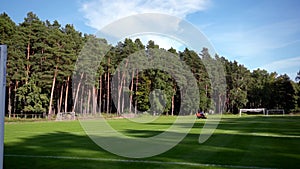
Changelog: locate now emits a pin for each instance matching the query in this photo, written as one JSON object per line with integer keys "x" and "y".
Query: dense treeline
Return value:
{"x": 41, "y": 65}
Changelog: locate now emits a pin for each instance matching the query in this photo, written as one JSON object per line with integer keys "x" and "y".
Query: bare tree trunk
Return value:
{"x": 15, "y": 97}
{"x": 108, "y": 90}
{"x": 131, "y": 91}
{"x": 82, "y": 107}
{"x": 60, "y": 98}
{"x": 100, "y": 95}
{"x": 88, "y": 101}
{"x": 27, "y": 66}
{"x": 9, "y": 100}
{"x": 52, "y": 91}
{"x": 220, "y": 104}
{"x": 76, "y": 96}
{"x": 123, "y": 99}
{"x": 123, "y": 84}
{"x": 105, "y": 97}
{"x": 136, "y": 88}
{"x": 94, "y": 100}
{"x": 119, "y": 93}
{"x": 172, "y": 108}
{"x": 108, "y": 94}
{"x": 67, "y": 93}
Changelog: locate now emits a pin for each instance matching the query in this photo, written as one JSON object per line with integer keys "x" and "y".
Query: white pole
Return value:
{"x": 3, "y": 57}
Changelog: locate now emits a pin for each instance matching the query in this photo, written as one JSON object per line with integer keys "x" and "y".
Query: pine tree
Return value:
{"x": 283, "y": 93}
{"x": 9, "y": 35}
{"x": 30, "y": 95}
{"x": 237, "y": 78}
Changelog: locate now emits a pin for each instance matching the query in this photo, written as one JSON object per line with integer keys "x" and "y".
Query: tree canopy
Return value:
{"x": 41, "y": 64}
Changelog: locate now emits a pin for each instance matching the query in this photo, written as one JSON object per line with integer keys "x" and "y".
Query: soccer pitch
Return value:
{"x": 246, "y": 142}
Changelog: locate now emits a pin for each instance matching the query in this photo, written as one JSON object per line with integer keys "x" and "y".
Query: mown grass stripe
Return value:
{"x": 133, "y": 161}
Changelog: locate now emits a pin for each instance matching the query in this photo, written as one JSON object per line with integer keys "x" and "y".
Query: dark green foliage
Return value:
{"x": 191, "y": 58}
{"x": 30, "y": 95}
{"x": 267, "y": 90}
{"x": 283, "y": 93}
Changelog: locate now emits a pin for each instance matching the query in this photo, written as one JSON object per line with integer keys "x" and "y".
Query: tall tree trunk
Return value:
{"x": 88, "y": 101}
{"x": 52, "y": 91}
{"x": 9, "y": 100}
{"x": 172, "y": 108}
{"x": 121, "y": 81}
{"x": 77, "y": 91}
{"x": 82, "y": 107}
{"x": 27, "y": 66}
{"x": 105, "y": 97}
{"x": 60, "y": 98}
{"x": 108, "y": 90}
{"x": 119, "y": 93}
{"x": 123, "y": 98}
{"x": 15, "y": 97}
{"x": 123, "y": 84}
{"x": 108, "y": 94}
{"x": 136, "y": 88}
{"x": 67, "y": 92}
{"x": 100, "y": 95}
{"x": 94, "y": 100}
{"x": 131, "y": 91}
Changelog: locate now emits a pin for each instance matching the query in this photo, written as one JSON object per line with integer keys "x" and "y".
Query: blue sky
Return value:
{"x": 257, "y": 33}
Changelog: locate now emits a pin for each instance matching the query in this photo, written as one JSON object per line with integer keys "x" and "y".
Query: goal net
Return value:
{"x": 275, "y": 112}
{"x": 253, "y": 111}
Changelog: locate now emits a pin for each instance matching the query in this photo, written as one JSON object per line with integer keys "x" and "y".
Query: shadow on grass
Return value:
{"x": 234, "y": 143}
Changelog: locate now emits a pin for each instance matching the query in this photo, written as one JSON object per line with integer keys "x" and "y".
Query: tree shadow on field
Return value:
{"x": 53, "y": 149}
{"x": 61, "y": 150}
{"x": 263, "y": 141}
{"x": 45, "y": 151}
{"x": 268, "y": 125}
{"x": 252, "y": 141}
{"x": 55, "y": 143}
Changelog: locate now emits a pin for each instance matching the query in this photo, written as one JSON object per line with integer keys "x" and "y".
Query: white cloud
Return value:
{"x": 263, "y": 47}
{"x": 289, "y": 66}
{"x": 102, "y": 12}
{"x": 151, "y": 24}
{"x": 162, "y": 41}
{"x": 254, "y": 42}
{"x": 284, "y": 64}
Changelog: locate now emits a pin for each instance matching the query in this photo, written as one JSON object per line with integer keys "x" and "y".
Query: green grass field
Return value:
{"x": 247, "y": 142}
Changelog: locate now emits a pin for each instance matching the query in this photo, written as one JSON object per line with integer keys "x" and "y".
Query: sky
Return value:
{"x": 261, "y": 34}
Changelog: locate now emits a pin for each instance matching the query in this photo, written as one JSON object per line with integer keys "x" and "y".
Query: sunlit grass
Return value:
{"x": 248, "y": 141}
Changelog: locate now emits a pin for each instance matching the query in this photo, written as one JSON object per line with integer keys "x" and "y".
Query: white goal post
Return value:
{"x": 3, "y": 57}
{"x": 253, "y": 110}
